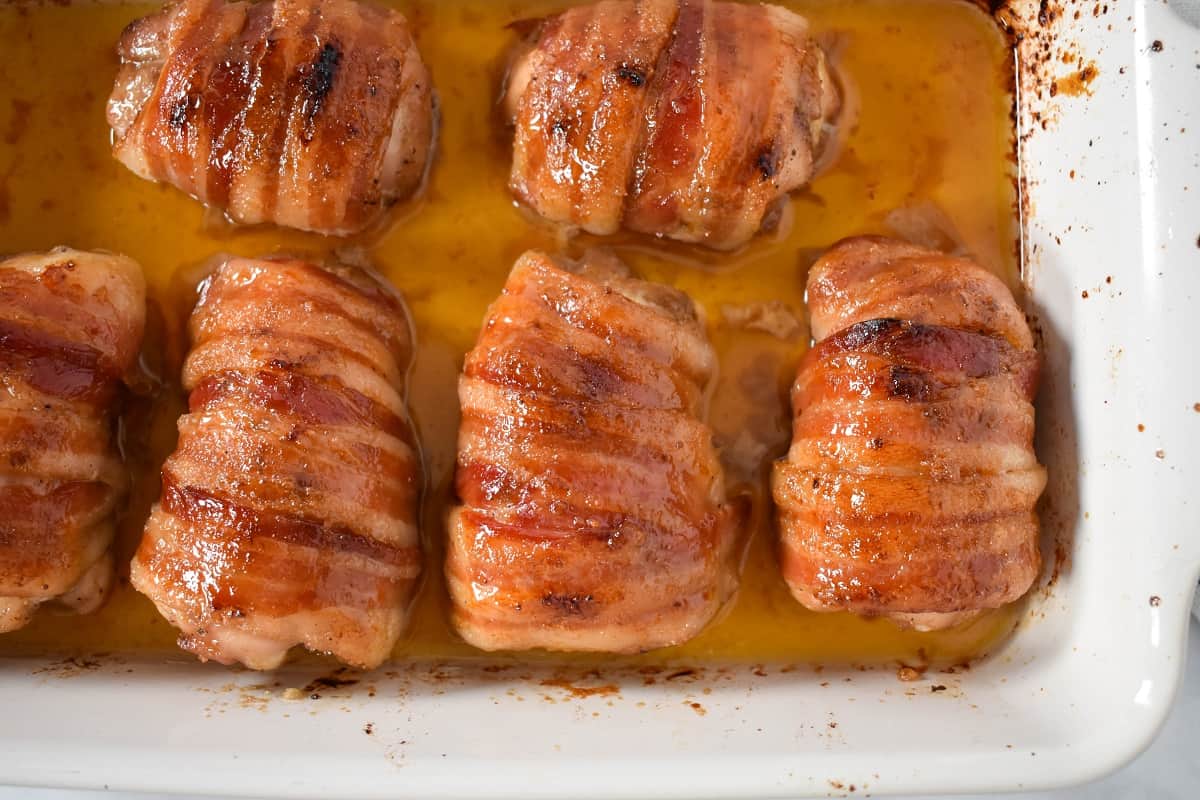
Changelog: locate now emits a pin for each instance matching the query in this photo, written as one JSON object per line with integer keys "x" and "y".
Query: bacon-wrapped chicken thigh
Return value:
{"x": 687, "y": 119}
{"x": 71, "y": 328}
{"x": 311, "y": 114}
{"x": 289, "y": 508}
{"x": 593, "y": 511}
{"x": 910, "y": 486}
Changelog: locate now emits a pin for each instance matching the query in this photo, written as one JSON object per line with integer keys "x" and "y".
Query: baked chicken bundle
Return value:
{"x": 71, "y": 326}
{"x": 310, "y": 114}
{"x": 593, "y": 511}
{"x": 688, "y": 119}
{"x": 910, "y": 486}
{"x": 288, "y": 512}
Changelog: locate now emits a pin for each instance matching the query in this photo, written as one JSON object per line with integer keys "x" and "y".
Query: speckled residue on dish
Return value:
{"x": 1039, "y": 30}
{"x": 253, "y": 697}
{"x": 581, "y": 692}
{"x": 70, "y": 667}
{"x": 1050, "y": 66}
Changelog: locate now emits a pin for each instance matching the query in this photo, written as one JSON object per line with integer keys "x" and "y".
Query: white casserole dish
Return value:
{"x": 1111, "y": 190}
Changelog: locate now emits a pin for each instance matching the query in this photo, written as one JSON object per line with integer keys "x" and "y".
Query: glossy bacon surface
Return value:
{"x": 289, "y": 508}
{"x": 71, "y": 328}
{"x": 682, "y": 118}
{"x": 910, "y": 486}
{"x": 593, "y": 511}
{"x": 311, "y": 114}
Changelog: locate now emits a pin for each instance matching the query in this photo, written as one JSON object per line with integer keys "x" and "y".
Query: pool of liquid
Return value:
{"x": 926, "y": 149}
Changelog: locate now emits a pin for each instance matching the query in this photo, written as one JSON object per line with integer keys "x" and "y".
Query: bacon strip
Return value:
{"x": 289, "y": 507}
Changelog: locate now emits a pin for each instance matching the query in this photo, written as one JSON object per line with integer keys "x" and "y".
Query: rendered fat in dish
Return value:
{"x": 689, "y": 119}
{"x": 310, "y": 114}
{"x": 910, "y": 486}
{"x": 593, "y": 513}
{"x": 71, "y": 327}
{"x": 289, "y": 508}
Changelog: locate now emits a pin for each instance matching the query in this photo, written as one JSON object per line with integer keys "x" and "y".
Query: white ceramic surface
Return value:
{"x": 1169, "y": 770}
{"x": 1080, "y": 690}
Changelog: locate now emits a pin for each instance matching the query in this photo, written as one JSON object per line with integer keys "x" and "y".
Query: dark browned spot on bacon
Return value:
{"x": 910, "y": 384}
{"x": 318, "y": 83}
{"x": 198, "y": 506}
{"x": 572, "y": 605}
{"x": 767, "y": 163}
{"x": 599, "y": 380}
{"x": 857, "y": 335}
{"x": 931, "y": 348}
{"x": 633, "y": 75}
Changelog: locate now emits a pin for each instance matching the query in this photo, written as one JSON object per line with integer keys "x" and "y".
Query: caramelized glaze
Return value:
{"x": 928, "y": 132}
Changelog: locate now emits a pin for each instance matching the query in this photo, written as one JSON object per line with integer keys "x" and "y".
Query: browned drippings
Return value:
{"x": 927, "y": 145}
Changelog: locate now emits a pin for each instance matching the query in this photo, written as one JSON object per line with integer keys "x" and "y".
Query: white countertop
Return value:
{"x": 1169, "y": 770}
